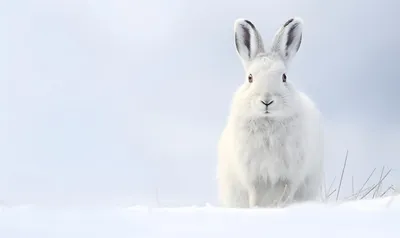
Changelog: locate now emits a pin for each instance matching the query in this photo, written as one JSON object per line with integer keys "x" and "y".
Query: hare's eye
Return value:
{"x": 284, "y": 78}
{"x": 250, "y": 78}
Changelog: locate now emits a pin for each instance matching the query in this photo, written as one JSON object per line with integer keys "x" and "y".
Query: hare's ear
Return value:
{"x": 248, "y": 40}
{"x": 287, "y": 39}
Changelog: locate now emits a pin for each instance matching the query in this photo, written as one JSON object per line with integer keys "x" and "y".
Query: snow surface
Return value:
{"x": 366, "y": 218}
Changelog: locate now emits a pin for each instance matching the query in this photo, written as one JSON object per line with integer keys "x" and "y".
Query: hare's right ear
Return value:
{"x": 248, "y": 40}
{"x": 287, "y": 39}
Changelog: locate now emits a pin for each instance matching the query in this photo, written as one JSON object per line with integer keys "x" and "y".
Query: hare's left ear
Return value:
{"x": 248, "y": 40}
{"x": 287, "y": 40}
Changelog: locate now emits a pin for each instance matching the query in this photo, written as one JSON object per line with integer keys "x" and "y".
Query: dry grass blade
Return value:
{"x": 360, "y": 192}
{"x": 369, "y": 191}
{"x": 341, "y": 177}
{"x": 387, "y": 190}
{"x": 365, "y": 183}
{"x": 282, "y": 195}
{"x": 330, "y": 187}
{"x": 379, "y": 184}
{"x": 376, "y": 184}
{"x": 332, "y": 193}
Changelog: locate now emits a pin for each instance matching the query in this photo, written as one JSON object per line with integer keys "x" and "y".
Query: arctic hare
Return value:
{"x": 271, "y": 149}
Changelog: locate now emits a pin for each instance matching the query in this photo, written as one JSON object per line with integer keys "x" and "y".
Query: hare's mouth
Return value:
{"x": 266, "y": 105}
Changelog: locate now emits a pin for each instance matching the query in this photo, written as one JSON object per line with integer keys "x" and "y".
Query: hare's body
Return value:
{"x": 269, "y": 153}
{"x": 263, "y": 156}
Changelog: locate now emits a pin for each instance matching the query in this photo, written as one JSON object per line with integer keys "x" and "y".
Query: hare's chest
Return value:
{"x": 268, "y": 156}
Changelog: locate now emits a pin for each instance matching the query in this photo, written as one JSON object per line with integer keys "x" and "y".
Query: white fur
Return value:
{"x": 275, "y": 157}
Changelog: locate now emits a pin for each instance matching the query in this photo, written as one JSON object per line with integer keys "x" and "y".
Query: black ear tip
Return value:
{"x": 296, "y": 21}
{"x": 288, "y": 22}
{"x": 250, "y": 23}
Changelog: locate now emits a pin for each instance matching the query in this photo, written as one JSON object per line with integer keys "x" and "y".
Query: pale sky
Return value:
{"x": 122, "y": 102}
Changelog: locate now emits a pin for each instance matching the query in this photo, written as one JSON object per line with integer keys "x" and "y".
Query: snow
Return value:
{"x": 365, "y": 218}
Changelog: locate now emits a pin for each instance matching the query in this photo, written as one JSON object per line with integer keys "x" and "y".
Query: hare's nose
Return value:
{"x": 267, "y": 103}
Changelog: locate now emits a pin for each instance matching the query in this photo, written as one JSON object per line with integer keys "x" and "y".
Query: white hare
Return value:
{"x": 271, "y": 150}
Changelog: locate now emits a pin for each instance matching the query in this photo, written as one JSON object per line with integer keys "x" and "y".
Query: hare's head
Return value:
{"x": 267, "y": 91}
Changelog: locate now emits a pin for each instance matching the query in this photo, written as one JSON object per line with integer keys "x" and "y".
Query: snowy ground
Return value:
{"x": 367, "y": 218}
